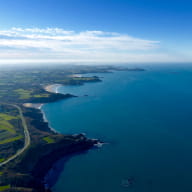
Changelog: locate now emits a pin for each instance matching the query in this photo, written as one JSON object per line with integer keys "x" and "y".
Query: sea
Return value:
{"x": 145, "y": 120}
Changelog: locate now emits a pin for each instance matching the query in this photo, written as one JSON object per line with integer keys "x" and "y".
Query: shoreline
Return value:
{"x": 47, "y": 174}
{"x": 46, "y": 120}
{"x": 48, "y": 147}
{"x": 52, "y": 174}
{"x": 39, "y": 107}
{"x": 33, "y": 105}
{"x": 52, "y": 88}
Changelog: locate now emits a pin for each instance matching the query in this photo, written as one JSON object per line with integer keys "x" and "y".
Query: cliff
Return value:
{"x": 26, "y": 173}
{"x": 32, "y": 167}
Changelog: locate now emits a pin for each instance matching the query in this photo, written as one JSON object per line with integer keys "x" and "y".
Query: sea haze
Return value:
{"x": 146, "y": 119}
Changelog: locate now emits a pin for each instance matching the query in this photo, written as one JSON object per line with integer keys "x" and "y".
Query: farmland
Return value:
{"x": 11, "y": 131}
{"x": 26, "y": 140}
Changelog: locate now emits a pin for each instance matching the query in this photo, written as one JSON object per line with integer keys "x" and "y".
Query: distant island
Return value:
{"x": 28, "y": 146}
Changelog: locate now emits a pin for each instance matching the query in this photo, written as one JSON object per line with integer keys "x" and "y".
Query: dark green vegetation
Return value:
{"x": 27, "y": 85}
{"x": 11, "y": 132}
{"x": 31, "y": 158}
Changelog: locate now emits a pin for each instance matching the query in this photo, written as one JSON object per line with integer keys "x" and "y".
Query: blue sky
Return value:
{"x": 96, "y": 30}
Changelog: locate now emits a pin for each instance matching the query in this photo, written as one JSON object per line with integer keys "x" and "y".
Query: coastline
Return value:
{"x": 44, "y": 172}
{"x": 52, "y": 88}
{"x": 33, "y": 105}
{"x": 54, "y": 172}
{"x": 50, "y": 174}
{"x": 48, "y": 147}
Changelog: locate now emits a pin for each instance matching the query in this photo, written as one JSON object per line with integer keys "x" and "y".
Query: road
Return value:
{"x": 26, "y": 134}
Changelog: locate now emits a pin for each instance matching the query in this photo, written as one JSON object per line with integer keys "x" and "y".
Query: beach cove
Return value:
{"x": 145, "y": 118}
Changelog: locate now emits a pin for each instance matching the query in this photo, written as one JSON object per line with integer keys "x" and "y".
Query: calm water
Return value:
{"x": 146, "y": 117}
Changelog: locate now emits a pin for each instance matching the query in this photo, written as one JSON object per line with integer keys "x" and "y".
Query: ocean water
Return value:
{"x": 146, "y": 119}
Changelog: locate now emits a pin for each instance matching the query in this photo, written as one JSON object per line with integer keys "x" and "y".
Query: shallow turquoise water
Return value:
{"x": 146, "y": 117}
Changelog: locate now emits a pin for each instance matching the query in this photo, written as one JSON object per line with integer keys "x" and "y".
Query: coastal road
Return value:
{"x": 26, "y": 135}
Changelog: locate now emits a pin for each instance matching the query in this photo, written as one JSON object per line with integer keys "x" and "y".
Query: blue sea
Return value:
{"x": 145, "y": 118}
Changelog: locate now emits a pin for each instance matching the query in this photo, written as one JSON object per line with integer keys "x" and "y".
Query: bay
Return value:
{"x": 146, "y": 119}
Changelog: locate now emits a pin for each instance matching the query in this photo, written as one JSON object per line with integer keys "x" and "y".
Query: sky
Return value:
{"x": 103, "y": 31}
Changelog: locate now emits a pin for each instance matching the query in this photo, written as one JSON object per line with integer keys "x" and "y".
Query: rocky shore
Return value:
{"x": 27, "y": 172}
{"x": 47, "y": 156}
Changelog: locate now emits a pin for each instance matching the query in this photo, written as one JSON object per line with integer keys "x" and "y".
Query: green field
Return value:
{"x": 5, "y": 187}
{"x": 6, "y": 117}
{"x": 41, "y": 95}
{"x": 48, "y": 139}
{"x": 12, "y": 139}
{"x": 27, "y": 94}
{"x": 23, "y": 94}
{"x": 1, "y": 160}
{"x": 6, "y": 128}
{"x": 8, "y": 131}
{"x": 5, "y": 125}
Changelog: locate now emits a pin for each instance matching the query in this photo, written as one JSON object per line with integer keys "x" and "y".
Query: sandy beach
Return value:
{"x": 33, "y": 105}
{"x": 37, "y": 106}
{"x": 53, "y": 88}
{"x": 76, "y": 75}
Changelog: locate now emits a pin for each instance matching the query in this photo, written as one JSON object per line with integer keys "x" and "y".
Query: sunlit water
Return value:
{"x": 146, "y": 117}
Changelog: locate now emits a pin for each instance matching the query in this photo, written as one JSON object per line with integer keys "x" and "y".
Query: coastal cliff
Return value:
{"x": 23, "y": 167}
{"x": 26, "y": 173}
{"x": 37, "y": 161}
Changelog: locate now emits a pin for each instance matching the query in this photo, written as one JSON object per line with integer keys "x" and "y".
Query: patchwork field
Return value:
{"x": 10, "y": 131}
{"x": 25, "y": 139}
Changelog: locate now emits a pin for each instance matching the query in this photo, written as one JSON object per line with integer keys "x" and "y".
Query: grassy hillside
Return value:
{"x": 11, "y": 131}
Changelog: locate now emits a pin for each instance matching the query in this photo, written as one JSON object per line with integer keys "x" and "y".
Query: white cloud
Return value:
{"x": 55, "y": 44}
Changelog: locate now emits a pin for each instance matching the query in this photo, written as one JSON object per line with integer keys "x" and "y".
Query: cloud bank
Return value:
{"x": 58, "y": 45}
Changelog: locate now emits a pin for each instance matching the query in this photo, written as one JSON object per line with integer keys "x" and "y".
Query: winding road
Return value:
{"x": 26, "y": 134}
